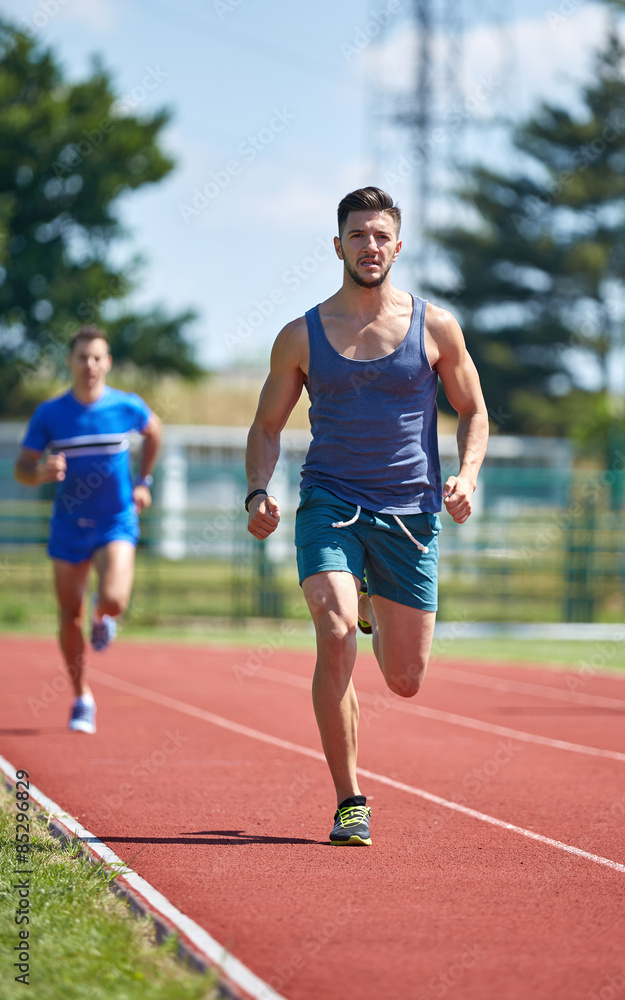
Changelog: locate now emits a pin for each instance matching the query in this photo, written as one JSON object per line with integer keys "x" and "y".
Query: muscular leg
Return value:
{"x": 115, "y": 566}
{"x": 332, "y": 599}
{"x": 70, "y": 581}
{"x": 402, "y": 639}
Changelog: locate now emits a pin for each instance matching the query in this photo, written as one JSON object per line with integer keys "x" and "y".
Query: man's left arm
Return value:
{"x": 153, "y": 436}
{"x": 462, "y": 388}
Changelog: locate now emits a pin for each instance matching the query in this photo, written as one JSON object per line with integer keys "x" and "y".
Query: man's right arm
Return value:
{"x": 279, "y": 395}
{"x": 29, "y": 470}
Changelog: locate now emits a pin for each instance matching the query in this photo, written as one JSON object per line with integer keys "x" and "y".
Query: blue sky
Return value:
{"x": 271, "y": 117}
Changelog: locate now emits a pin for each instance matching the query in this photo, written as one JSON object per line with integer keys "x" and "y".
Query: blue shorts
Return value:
{"x": 78, "y": 540}
{"x": 375, "y": 543}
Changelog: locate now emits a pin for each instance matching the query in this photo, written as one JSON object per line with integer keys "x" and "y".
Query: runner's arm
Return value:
{"x": 153, "y": 436}
{"x": 279, "y": 395}
{"x": 462, "y": 388}
{"x": 30, "y": 470}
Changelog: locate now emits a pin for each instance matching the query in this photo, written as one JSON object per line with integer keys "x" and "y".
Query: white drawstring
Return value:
{"x": 422, "y": 548}
{"x": 346, "y": 524}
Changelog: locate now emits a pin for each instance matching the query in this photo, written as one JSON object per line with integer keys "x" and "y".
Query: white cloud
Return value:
{"x": 530, "y": 58}
{"x": 536, "y": 61}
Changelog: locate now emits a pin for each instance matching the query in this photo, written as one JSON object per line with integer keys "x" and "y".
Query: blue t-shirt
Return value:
{"x": 94, "y": 438}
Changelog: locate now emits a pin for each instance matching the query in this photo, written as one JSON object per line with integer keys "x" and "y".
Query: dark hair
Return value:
{"x": 370, "y": 199}
{"x": 88, "y": 333}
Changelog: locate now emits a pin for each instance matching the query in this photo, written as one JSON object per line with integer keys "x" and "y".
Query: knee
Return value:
{"x": 70, "y": 617}
{"x": 112, "y": 605}
{"x": 408, "y": 683}
{"x": 337, "y": 645}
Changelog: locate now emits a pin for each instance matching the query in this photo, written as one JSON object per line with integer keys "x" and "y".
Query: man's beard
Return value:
{"x": 359, "y": 280}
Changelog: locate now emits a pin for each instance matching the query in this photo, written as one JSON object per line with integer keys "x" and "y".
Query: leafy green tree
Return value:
{"x": 541, "y": 271}
{"x": 69, "y": 153}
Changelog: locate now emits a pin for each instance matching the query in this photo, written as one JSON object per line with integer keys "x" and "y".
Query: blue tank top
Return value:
{"x": 373, "y": 423}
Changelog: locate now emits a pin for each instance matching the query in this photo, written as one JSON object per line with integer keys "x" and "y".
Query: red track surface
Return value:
{"x": 234, "y": 830}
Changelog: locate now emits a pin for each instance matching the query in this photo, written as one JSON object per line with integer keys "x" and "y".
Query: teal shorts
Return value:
{"x": 375, "y": 543}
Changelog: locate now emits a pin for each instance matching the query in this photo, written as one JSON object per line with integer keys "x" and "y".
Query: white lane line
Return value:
{"x": 493, "y": 821}
{"x": 382, "y": 702}
{"x": 152, "y": 901}
{"x": 235, "y": 727}
{"x": 523, "y": 687}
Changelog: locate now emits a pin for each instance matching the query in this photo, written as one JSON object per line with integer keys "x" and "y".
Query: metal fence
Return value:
{"x": 543, "y": 546}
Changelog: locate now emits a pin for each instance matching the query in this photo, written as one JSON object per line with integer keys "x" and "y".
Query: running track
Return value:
{"x": 204, "y": 776}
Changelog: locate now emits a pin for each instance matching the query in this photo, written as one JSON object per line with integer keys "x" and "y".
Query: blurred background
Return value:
{"x": 171, "y": 172}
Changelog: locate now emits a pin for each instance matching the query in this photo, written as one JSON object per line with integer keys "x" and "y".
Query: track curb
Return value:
{"x": 236, "y": 981}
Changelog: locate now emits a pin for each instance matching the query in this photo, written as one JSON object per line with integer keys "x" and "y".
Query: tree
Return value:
{"x": 69, "y": 153}
{"x": 541, "y": 276}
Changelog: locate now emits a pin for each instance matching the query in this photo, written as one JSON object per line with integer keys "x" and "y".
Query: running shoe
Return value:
{"x": 362, "y": 624}
{"x": 351, "y": 824}
{"x": 82, "y": 719}
{"x": 103, "y": 630}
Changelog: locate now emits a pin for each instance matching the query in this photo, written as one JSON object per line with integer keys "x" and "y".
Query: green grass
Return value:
{"x": 84, "y": 943}
{"x": 572, "y": 654}
{"x": 604, "y": 655}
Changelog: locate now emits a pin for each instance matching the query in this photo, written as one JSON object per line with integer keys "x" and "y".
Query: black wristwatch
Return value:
{"x": 250, "y": 496}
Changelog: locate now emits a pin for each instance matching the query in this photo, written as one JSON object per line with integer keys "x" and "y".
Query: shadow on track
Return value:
{"x": 217, "y": 837}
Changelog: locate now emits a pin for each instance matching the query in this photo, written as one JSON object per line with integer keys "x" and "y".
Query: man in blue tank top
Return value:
{"x": 79, "y": 441}
{"x": 366, "y": 529}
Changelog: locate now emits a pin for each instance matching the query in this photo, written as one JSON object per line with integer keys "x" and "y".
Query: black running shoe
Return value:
{"x": 362, "y": 624}
{"x": 351, "y": 825}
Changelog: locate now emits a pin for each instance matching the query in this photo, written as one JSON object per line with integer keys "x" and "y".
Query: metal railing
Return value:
{"x": 541, "y": 548}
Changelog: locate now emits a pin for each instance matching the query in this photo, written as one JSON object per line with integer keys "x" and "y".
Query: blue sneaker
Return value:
{"x": 82, "y": 719}
{"x": 103, "y": 631}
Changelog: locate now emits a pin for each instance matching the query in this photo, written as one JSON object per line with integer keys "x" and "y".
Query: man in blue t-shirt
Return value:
{"x": 80, "y": 441}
